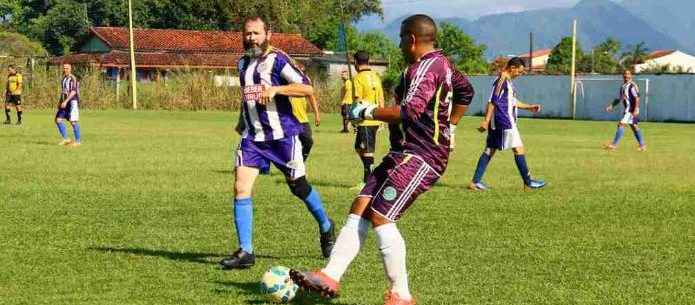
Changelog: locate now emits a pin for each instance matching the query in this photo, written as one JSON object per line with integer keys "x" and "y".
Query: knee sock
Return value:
{"x": 480, "y": 168}
{"x": 77, "y": 132}
{"x": 243, "y": 220}
{"x": 618, "y": 135}
{"x": 62, "y": 130}
{"x": 392, "y": 248}
{"x": 520, "y": 161}
{"x": 315, "y": 205}
{"x": 347, "y": 246}
{"x": 638, "y": 136}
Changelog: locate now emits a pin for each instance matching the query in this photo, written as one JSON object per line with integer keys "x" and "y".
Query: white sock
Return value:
{"x": 347, "y": 246}
{"x": 392, "y": 247}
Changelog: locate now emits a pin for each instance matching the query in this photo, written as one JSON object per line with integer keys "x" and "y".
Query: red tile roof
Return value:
{"x": 118, "y": 58}
{"x": 197, "y": 41}
{"x": 659, "y": 53}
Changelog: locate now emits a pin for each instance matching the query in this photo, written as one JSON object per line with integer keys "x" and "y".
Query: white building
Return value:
{"x": 540, "y": 59}
{"x": 668, "y": 61}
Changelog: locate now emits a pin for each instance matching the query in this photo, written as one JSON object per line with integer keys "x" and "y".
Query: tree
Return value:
{"x": 61, "y": 27}
{"x": 18, "y": 45}
{"x": 560, "y": 60}
{"x": 8, "y": 9}
{"x": 635, "y": 55}
{"x": 462, "y": 49}
{"x": 603, "y": 58}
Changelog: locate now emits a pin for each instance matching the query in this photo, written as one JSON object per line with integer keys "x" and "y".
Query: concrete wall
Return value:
{"x": 664, "y": 97}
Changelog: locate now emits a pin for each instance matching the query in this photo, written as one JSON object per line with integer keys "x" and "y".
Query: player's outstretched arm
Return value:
{"x": 457, "y": 113}
{"x": 530, "y": 107}
{"x": 365, "y": 111}
{"x": 294, "y": 90}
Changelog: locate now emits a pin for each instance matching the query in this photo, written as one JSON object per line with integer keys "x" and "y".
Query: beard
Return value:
{"x": 255, "y": 51}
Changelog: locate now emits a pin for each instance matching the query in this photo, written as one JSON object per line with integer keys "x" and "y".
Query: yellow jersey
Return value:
{"x": 14, "y": 83}
{"x": 368, "y": 90}
{"x": 347, "y": 86}
{"x": 299, "y": 109}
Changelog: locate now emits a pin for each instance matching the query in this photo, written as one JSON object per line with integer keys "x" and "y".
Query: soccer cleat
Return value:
{"x": 535, "y": 184}
{"x": 609, "y": 147}
{"x": 328, "y": 240}
{"x": 7, "y": 122}
{"x": 240, "y": 259}
{"x": 65, "y": 142}
{"x": 75, "y": 144}
{"x": 19, "y": 123}
{"x": 642, "y": 148}
{"x": 479, "y": 186}
{"x": 392, "y": 298}
{"x": 344, "y": 131}
{"x": 317, "y": 282}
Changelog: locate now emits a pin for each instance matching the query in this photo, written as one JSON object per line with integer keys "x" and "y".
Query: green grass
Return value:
{"x": 140, "y": 214}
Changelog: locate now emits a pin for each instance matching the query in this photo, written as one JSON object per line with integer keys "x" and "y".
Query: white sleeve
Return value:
{"x": 291, "y": 75}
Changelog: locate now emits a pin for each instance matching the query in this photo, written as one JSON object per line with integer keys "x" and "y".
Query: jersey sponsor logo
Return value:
{"x": 389, "y": 193}
{"x": 252, "y": 92}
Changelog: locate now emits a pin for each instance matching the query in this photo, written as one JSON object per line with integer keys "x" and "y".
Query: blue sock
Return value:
{"x": 63, "y": 131}
{"x": 638, "y": 136}
{"x": 618, "y": 135}
{"x": 243, "y": 220}
{"x": 76, "y": 131}
{"x": 480, "y": 169}
{"x": 523, "y": 168}
{"x": 315, "y": 205}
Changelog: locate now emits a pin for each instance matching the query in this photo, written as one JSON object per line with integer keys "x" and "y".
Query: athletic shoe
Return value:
{"x": 317, "y": 282}
{"x": 478, "y": 187}
{"x": 642, "y": 148}
{"x": 75, "y": 144}
{"x": 240, "y": 259}
{"x": 19, "y": 123}
{"x": 65, "y": 142}
{"x": 8, "y": 122}
{"x": 344, "y": 131}
{"x": 535, "y": 184}
{"x": 327, "y": 240}
{"x": 609, "y": 147}
{"x": 392, "y": 298}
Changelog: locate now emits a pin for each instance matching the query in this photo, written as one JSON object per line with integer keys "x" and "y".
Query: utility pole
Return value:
{"x": 133, "y": 74}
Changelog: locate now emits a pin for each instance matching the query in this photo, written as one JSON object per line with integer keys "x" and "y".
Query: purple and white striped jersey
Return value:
{"x": 504, "y": 99}
{"x": 69, "y": 84}
{"x": 273, "y": 121}
{"x": 425, "y": 96}
{"x": 628, "y": 95}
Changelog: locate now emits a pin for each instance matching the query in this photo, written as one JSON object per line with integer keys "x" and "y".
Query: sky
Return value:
{"x": 470, "y": 9}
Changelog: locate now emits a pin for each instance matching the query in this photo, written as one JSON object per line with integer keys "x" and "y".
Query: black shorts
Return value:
{"x": 365, "y": 140}
{"x": 14, "y": 99}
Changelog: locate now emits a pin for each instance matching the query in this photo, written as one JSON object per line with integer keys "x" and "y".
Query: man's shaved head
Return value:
{"x": 420, "y": 26}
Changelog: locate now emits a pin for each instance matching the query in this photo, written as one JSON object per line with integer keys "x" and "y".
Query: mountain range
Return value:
{"x": 660, "y": 24}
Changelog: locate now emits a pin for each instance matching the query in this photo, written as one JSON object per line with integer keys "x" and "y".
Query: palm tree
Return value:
{"x": 637, "y": 54}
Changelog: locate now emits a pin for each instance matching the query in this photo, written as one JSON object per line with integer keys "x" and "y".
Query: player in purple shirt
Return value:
{"x": 500, "y": 123}
{"x": 422, "y": 109}
{"x": 270, "y": 135}
{"x": 629, "y": 97}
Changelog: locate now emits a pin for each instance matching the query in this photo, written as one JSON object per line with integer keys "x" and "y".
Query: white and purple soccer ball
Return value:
{"x": 277, "y": 284}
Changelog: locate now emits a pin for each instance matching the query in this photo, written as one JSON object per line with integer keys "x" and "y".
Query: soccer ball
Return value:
{"x": 278, "y": 285}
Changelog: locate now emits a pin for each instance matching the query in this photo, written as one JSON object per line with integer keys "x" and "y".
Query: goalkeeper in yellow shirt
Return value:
{"x": 368, "y": 90}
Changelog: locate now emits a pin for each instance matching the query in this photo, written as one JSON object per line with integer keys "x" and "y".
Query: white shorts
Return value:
{"x": 629, "y": 119}
{"x": 502, "y": 139}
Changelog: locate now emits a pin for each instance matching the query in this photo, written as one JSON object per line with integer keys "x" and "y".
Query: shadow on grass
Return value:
{"x": 322, "y": 183}
{"x": 194, "y": 257}
{"x": 253, "y": 289}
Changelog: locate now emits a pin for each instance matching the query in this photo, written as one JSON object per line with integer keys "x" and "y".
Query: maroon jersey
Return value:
{"x": 425, "y": 96}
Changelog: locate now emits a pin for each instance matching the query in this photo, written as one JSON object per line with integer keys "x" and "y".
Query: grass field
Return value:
{"x": 140, "y": 214}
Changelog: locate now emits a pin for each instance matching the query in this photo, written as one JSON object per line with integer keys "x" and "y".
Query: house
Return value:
{"x": 159, "y": 51}
{"x": 335, "y": 63}
{"x": 539, "y": 60}
{"x": 672, "y": 61}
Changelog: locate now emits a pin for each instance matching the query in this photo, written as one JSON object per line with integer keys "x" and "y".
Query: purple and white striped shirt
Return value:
{"x": 629, "y": 92}
{"x": 273, "y": 121}
{"x": 504, "y": 98}
{"x": 69, "y": 84}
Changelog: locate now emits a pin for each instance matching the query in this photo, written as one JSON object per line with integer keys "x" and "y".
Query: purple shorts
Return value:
{"x": 285, "y": 154}
{"x": 397, "y": 182}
